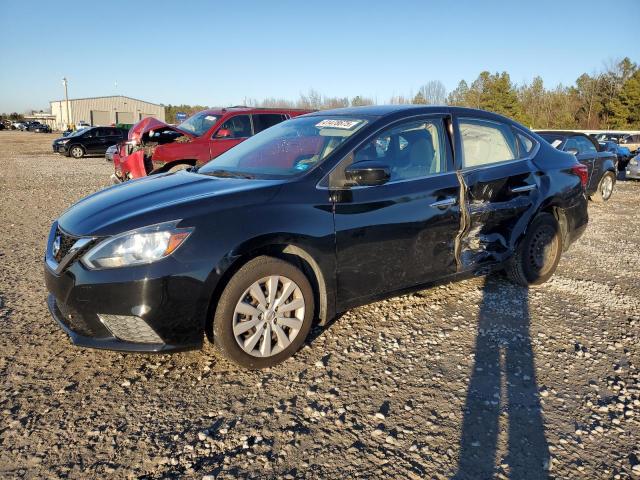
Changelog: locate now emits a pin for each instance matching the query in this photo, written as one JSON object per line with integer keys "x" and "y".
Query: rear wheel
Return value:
{"x": 605, "y": 188}
{"x": 76, "y": 151}
{"x": 264, "y": 313}
{"x": 538, "y": 254}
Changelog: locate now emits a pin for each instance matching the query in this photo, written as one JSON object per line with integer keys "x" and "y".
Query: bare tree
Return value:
{"x": 434, "y": 92}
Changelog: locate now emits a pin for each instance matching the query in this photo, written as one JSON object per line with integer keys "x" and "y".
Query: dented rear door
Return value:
{"x": 501, "y": 190}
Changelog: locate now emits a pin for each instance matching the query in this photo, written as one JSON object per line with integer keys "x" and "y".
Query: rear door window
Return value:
{"x": 486, "y": 142}
{"x": 262, "y": 121}
{"x": 237, "y": 127}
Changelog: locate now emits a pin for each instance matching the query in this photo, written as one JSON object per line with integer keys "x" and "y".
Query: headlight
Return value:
{"x": 144, "y": 245}
{"x": 63, "y": 141}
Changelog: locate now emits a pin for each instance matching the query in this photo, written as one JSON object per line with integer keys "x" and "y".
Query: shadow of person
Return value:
{"x": 503, "y": 392}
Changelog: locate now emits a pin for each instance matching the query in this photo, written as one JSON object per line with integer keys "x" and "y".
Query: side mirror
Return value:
{"x": 368, "y": 173}
{"x": 224, "y": 133}
{"x": 572, "y": 151}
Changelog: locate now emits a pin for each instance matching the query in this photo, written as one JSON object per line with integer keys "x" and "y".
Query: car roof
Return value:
{"x": 244, "y": 109}
{"x": 379, "y": 111}
{"x": 560, "y": 132}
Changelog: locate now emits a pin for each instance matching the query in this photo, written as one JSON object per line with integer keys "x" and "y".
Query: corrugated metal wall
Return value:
{"x": 103, "y": 108}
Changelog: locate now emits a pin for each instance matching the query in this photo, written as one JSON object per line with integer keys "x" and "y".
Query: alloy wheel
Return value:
{"x": 268, "y": 316}
{"x": 76, "y": 152}
{"x": 606, "y": 188}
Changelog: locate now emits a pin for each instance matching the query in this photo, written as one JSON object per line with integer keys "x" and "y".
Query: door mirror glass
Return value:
{"x": 367, "y": 173}
{"x": 224, "y": 133}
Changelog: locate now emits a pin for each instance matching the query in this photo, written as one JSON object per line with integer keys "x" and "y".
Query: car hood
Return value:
{"x": 149, "y": 123}
{"x": 161, "y": 198}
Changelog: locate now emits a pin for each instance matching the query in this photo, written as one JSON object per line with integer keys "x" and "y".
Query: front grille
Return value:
{"x": 66, "y": 242}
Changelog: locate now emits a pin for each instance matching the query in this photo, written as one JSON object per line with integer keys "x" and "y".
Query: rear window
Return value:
{"x": 262, "y": 121}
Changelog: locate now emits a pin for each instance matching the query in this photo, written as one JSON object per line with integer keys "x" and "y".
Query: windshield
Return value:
{"x": 78, "y": 132}
{"x": 199, "y": 123}
{"x": 286, "y": 149}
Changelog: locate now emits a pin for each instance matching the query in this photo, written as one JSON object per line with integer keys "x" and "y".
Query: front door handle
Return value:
{"x": 524, "y": 188}
{"x": 446, "y": 202}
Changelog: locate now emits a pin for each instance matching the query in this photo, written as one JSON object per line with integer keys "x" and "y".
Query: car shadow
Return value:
{"x": 503, "y": 394}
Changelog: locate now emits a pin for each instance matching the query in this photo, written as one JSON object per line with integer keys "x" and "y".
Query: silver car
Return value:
{"x": 633, "y": 168}
{"x": 108, "y": 155}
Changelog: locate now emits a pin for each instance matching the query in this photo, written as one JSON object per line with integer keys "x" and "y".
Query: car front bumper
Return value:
{"x": 152, "y": 308}
{"x": 60, "y": 148}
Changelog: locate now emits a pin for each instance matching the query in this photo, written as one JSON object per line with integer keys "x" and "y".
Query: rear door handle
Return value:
{"x": 524, "y": 188}
{"x": 446, "y": 202}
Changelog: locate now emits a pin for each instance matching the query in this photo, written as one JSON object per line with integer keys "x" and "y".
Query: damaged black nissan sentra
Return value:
{"x": 309, "y": 218}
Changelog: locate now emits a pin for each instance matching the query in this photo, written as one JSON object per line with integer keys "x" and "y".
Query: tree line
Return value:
{"x": 607, "y": 99}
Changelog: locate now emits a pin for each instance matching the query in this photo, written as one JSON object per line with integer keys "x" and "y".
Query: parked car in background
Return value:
{"x": 156, "y": 147}
{"x": 108, "y": 155}
{"x": 42, "y": 128}
{"x": 632, "y": 142}
{"x": 622, "y": 153}
{"x": 306, "y": 219}
{"x": 92, "y": 140}
{"x": 38, "y": 127}
{"x": 633, "y": 168}
{"x": 601, "y": 165}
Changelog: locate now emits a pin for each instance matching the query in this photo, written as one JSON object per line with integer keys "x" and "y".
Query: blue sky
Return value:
{"x": 218, "y": 53}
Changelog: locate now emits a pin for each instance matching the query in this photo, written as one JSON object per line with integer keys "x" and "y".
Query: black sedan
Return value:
{"x": 39, "y": 128}
{"x": 91, "y": 140}
{"x": 307, "y": 219}
{"x": 601, "y": 164}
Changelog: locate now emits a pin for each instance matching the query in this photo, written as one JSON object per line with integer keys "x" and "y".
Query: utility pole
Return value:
{"x": 66, "y": 98}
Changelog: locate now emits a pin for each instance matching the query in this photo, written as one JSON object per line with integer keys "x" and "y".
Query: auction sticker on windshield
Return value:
{"x": 345, "y": 124}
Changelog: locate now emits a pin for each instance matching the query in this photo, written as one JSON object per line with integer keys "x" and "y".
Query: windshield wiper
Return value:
{"x": 227, "y": 174}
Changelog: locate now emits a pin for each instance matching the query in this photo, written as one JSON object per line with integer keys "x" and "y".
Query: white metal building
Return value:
{"x": 103, "y": 111}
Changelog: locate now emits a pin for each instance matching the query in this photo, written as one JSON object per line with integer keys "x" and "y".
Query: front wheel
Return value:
{"x": 76, "y": 151}
{"x": 538, "y": 254}
{"x": 264, "y": 313}
{"x": 605, "y": 188}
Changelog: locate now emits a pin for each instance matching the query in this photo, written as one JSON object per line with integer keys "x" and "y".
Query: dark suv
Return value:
{"x": 306, "y": 219}
{"x": 91, "y": 140}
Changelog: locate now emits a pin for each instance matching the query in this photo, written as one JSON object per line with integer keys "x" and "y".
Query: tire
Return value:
{"x": 238, "y": 295}
{"x": 605, "y": 188}
{"x": 180, "y": 166}
{"x": 537, "y": 256}
{"x": 76, "y": 151}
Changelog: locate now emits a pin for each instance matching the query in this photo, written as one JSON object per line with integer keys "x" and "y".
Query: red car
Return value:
{"x": 154, "y": 146}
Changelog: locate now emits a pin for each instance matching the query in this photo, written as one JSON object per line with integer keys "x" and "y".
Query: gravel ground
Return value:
{"x": 477, "y": 379}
